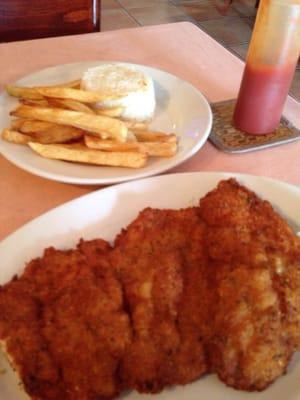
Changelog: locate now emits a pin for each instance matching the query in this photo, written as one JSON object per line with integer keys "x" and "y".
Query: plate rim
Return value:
{"x": 221, "y": 174}
{"x": 139, "y": 173}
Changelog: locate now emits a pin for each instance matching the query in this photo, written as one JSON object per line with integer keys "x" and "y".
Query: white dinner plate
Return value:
{"x": 181, "y": 109}
{"x": 102, "y": 214}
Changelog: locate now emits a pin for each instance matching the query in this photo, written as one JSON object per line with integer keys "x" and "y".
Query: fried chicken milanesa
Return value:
{"x": 63, "y": 324}
{"x": 160, "y": 260}
{"x": 181, "y": 293}
{"x": 254, "y": 285}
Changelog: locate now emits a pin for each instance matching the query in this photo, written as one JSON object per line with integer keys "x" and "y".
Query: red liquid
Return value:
{"x": 261, "y": 98}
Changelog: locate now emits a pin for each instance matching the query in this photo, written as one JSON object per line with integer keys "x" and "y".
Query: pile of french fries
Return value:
{"x": 60, "y": 122}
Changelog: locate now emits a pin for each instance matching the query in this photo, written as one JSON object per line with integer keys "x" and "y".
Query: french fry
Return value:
{"x": 55, "y": 137}
{"x": 16, "y": 124}
{"x": 131, "y": 137}
{"x": 47, "y": 132}
{"x": 104, "y": 127}
{"x": 62, "y": 134}
{"x": 83, "y": 96}
{"x": 157, "y": 149}
{"x": 31, "y": 93}
{"x": 23, "y": 92}
{"x": 71, "y": 84}
{"x": 30, "y": 126}
{"x": 135, "y": 125}
{"x": 71, "y": 105}
{"x": 110, "y": 112}
{"x": 15, "y": 137}
{"x": 37, "y": 103}
{"x": 153, "y": 136}
{"x": 79, "y": 153}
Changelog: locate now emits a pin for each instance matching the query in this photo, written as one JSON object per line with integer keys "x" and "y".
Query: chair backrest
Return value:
{"x": 31, "y": 19}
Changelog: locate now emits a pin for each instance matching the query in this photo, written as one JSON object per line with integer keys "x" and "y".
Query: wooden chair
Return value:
{"x": 31, "y": 19}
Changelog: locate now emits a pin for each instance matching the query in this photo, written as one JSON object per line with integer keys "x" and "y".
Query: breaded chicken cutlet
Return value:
{"x": 160, "y": 260}
{"x": 254, "y": 287}
{"x": 63, "y": 324}
{"x": 181, "y": 293}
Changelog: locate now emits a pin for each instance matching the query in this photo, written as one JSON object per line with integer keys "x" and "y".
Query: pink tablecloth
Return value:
{"x": 180, "y": 48}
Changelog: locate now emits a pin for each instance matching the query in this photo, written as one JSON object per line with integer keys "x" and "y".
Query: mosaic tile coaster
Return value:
{"x": 231, "y": 140}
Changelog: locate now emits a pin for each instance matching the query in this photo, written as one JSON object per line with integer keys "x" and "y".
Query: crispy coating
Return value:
{"x": 254, "y": 281}
{"x": 64, "y": 325}
{"x": 160, "y": 260}
{"x": 181, "y": 293}
{"x": 20, "y": 334}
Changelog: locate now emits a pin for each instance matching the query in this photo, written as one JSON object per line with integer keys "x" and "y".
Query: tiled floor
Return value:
{"x": 233, "y": 30}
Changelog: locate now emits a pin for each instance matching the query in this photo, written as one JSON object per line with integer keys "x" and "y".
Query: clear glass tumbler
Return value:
{"x": 270, "y": 66}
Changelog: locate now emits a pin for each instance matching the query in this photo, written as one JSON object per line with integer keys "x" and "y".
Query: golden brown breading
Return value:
{"x": 20, "y": 332}
{"x": 64, "y": 324}
{"x": 159, "y": 257}
{"x": 254, "y": 279}
{"x": 214, "y": 288}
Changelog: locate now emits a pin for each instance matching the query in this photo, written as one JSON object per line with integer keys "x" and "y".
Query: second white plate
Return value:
{"x": 181, "y": 108}
{"x": 104, "y": 213}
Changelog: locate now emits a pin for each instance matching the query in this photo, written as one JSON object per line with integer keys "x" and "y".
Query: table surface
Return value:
{"x": 180, "y": 48}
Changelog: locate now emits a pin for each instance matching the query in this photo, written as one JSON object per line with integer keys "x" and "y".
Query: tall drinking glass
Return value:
{"x": 270, "y": 66}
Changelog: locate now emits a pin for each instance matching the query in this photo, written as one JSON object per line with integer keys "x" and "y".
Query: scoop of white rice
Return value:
{"x": 138, "y": 101}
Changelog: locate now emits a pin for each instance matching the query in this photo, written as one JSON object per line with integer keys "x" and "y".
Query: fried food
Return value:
{"x": 35, "y": 103}
{"x": 43, "y": 132}
{"x": 23, "y": 92}
{"x": 110, "y": 112}
{"x": 80, "y": 120}
{"x": 71, "y": 84}
{"x": 154, "y": 149}
{"x": 31, "y": 93}
{"x": 163, "y": 297}
{"x": 31, "y": 126}
{"x": 254, "y": 287}
{"x": 16, "y": 137}
{"x": 181, "y": 293}
{"x": 68, "y": 93}
{"x": 64, "y": 133}
{"x": 154, "y": 136}
{"x": 79, "y": 153}
{"x": 98, "y": 125}
{"x": 70, "y": 105}
{"x": 64, "y": 326}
